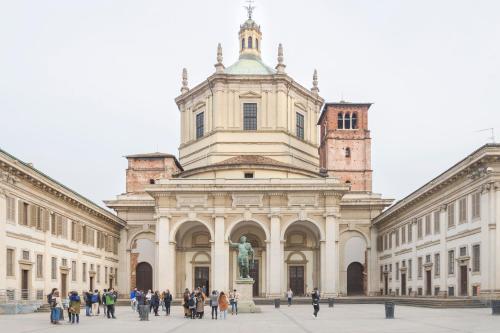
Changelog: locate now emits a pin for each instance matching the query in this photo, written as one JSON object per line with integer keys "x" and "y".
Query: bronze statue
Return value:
{"x": 244, "y": 251}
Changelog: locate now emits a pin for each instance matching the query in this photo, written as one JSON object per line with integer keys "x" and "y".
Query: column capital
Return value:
{"x": 160, "y": 215}
{"x": 335, "y": 213}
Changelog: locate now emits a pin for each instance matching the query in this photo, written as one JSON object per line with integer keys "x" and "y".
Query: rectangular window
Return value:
{"x": 390, "y": 239}
{"x": 428, "y": 225}
{"x": 53, "y": 227}
{"x": 53, "y": 270}
{"x": 409, "y": 268}
{"x": 84, "y": 272}
{"x": 476, "y": 205}
{"x": 451, "y": 215}
{"x": 26, "y": 255}
{"x": 24, "y": 211}
{"x": 427, "y": 258}
{"x": 462, "y": 210}
{"x": 105, "y": 274}
{"x": 98, "y": 273}
{"x": 300, "y": 125}
{"x": 476, "y": 258}
{"x": 437, "y": 264}
{"x": 200, "y": 125}
{"x": 39, "y": 266}
{"x": 451, "y": 262}
{"x": 249, "y": 175}
{"x": 38, "y": 218}
{"x": 419, "y": 229}
{"x": 64, "y": 262}
{"x": 420, "y": 267}
{"x": 437, "y": 222}
{"x": 451, "y": 291}
{"x": 463, "y": 251}
{"x": 73, "y": 231}
{"x": 410, "y": 233}
{"x": 250, "y": 116}
{"x": 397, "y": 237}
{"x": 397, "y": 271}
{"x": 73, "y": 270}
{"x": 11, "y": 210}
{"x": 403, "y": 234}
{"x": 10, "y": 262}
{"x": 381, "y": 273}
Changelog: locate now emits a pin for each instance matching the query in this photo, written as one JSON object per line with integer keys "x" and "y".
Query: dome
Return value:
{"x": 249, "y": 65}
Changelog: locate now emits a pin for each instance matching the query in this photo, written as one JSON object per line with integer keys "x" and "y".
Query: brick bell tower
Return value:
{"x": 345, "y": 144}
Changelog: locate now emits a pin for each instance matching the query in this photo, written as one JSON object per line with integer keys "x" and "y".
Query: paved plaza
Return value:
{"x": 342, "y": 318}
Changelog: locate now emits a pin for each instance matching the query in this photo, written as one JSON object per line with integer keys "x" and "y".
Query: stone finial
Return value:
{"x": 315, "y": 88}
{"x": 280, "y": 67}
{"x": 185, "y": 87}
{"x": 219, "y": 67}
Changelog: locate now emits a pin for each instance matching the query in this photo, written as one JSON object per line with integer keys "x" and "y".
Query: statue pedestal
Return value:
{"x": 244, "y": 287}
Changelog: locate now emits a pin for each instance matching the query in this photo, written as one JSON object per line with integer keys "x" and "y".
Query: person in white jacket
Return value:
{"x": 289, "y": 296}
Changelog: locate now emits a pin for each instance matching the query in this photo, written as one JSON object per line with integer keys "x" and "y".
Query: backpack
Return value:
{"x": 191, "y": 301}
{"x": 94, "y": 298}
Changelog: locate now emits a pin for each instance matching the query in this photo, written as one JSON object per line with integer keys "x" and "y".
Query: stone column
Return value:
{"x": 496, "y": 201}
{"x": 165, "y": 255}
{"x": 124, "y": 263}
{"x": 275, "y": 267}
{"x": 330, "y": 270}
{"x": 443, "y": 229}
{"x": 220, "y": 255}
{"x": 373, "y": 279}
{"x": 3, "y": 239}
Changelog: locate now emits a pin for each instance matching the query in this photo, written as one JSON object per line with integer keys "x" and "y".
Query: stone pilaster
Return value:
{"x": 124, "y": 260}
{"x": 165, "y": 255}
{"x": 3, "y": 239}
{"x": 330, "y": 251}
{"x": 220, "y": 255}
{"x": 275, "y": 256}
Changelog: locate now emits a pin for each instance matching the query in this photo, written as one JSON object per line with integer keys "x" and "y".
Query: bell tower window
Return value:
{"x": 354, "y": 121}
{"x": 250, "y": 42}
{"x": 340, "y": 120}
{"x": 347, "y": 121}
{"x": 250, "y": 116}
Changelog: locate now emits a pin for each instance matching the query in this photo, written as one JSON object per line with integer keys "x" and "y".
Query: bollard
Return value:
{"x": 389, "y": 310}
{"x": 495, "y": 308}
{"x": 144, "y": 312}
{"x": 330, "y": 302}
{"x": 277, "y": 303}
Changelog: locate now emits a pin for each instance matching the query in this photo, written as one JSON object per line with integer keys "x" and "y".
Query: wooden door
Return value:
{"x": 91, "y": 280}
{"x": 428, "y": 283}
{"x": 463, "y": 281}
{"x": 64, "y": 286}
{"x": 24, "y": 284}
{"x": 144, "y": 276}
{"x": 403, "y": 284}
{"x": 201, "y": 278}
{"x": 355, "y": 279}
{"x": 296, "y": 279}
{"x": 110, "y": 283}
{"x": 254, "y": 274}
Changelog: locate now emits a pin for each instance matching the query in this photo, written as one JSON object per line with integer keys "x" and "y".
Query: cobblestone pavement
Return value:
{"x": 298, "y": 318}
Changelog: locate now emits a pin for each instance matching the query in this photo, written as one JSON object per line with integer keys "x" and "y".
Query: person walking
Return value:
{"x": 200, "y": 305}
{"x": 167, "y": 301}
{"x": 155, "y": 302}
{"x": 214, "y": 303}
{"x": 51, "y": 301}
{"x": 110, "y": 303}
{"x": 133, "y": 299}
{"x": 88, "y": 303}
{"x": 95, "y": 302}
{"x": 185, "y": 303}
{"x": 149, "y": 296}
{"x": 233, "y": 299}
{"x": 103, "y": 302}
{"x": 58, "y": 307}
{"x": 289, "y": 295}
{"x": 315, "y": 302}
{"x": 223, "y": 305}
{"x": 192, "y": 305}
{"x": 74, "y": 307}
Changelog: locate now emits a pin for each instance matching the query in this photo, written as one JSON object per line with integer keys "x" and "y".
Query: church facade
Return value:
{"x": 262, "y": 156}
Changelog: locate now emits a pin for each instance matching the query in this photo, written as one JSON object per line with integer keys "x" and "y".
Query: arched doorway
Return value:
{"x": 302, "y": 253}
{"x": 144, "y": 276}
{"x": 355, "y": 279}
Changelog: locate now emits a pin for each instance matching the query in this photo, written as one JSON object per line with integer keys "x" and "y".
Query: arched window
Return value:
{"x": 347, "y": 121}
{"x": 250, "y": 44}
{"x": 348, "y": 152}
{"x": 340, "y": 120}
{"x": 243, "y": 43}
{"x": 354, "y": 121}
{"x": 257, "y": 43}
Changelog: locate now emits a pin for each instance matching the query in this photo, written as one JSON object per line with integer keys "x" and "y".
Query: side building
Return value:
{"x": 444, "y": 238}
{"x": 51, "y": 237}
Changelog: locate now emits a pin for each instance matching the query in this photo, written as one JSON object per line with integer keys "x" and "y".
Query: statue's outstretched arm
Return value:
{"x": 231, "y": 244}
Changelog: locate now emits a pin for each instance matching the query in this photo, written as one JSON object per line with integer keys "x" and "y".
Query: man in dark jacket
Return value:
{"x": 88, "y": 303}
{"x": 315, "y": 302}
{"x": 167, "y": 299}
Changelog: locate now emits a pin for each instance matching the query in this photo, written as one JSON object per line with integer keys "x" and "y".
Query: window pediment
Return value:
{"x": 250, "y": 94}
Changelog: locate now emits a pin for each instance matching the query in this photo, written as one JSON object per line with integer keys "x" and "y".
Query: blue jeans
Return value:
{"x": 88, "y": 310}
{"x": 56, "y": 314}
{"x": 234, "y": 307}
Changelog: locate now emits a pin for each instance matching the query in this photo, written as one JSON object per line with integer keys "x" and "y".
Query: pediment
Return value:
{"x": 301, "y": 106}
{"x": 199, "y": 105}
{"x": 250, "y": 94}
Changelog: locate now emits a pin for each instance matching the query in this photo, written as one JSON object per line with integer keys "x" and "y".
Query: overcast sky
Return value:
{"x": 83, "y": 83}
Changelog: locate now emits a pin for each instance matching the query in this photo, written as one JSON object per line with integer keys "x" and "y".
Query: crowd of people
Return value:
{"x": 93, "y": 301}
{"x": 193, "y": 303}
